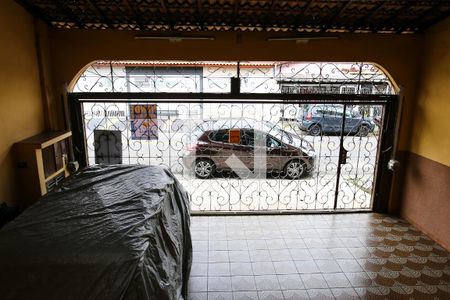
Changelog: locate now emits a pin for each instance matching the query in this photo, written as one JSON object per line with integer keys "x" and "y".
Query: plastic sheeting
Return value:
{"x": 110, "y": 232}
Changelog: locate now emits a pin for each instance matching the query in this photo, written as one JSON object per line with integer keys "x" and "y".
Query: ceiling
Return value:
{"x": 363, "y": 16}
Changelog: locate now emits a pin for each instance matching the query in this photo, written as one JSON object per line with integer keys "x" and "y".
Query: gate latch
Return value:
{"x": 343, "y": 156}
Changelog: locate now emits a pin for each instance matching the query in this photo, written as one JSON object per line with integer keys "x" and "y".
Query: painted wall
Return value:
{"x": 21, "y": 113}
{"x": 430, "y": 137}
{"x": 426, "y": 188}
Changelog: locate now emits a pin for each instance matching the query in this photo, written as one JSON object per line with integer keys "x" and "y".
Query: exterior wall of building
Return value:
{"x": 426, "y": 188}
{"x": 21, "y": 112}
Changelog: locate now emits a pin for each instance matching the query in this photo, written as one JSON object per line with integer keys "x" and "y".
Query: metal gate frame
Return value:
{"x": 383, "y": 176}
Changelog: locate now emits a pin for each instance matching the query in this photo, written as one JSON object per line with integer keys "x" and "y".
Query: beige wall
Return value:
{"x": 426, "y": 187}
{"x": 430, "y": 135}
{"x": 21, "y": 113}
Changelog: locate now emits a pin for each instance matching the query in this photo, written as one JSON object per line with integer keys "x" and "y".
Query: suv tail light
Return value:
{"x": 309, "y": 117}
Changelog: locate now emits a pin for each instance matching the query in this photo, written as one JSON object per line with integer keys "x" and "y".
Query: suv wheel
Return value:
{"x": 294, "y": 169}
{"x": 315, "y": 130}
{"x": 204, "y": 168}
{"x": 363, "y": 130}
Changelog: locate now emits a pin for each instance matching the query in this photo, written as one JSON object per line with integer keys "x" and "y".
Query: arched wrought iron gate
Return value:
{"x": 321, "y": 151}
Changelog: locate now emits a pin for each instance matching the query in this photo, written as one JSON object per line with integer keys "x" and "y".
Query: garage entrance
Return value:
{"x": 243, "y": 137}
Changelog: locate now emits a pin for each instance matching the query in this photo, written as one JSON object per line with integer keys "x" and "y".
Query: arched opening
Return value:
{"x": 243, "y": 137}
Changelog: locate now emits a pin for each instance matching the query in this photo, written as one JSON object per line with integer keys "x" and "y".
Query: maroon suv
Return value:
{"x": 286, "y": 153}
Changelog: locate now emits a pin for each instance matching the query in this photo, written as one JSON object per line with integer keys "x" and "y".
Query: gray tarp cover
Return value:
{"x": 111, "y": 232}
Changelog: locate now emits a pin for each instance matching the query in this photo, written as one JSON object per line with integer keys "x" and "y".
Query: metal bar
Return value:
{"x": 182, "y": 97}
{"x": 341, "y": 146}
{"x": 277, "y": 212}
{"x": 337, "y": 82}
{"x": 398, "y": 116}
{"x": 205, "y": 101}
{"x": 112, "y": 77}
{"x": 255, "y": 101}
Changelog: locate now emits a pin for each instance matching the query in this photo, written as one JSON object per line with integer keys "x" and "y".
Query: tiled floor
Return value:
{"x": 345, "y": 256}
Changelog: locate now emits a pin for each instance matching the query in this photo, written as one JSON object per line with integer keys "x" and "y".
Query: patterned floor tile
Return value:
{"x": 237, "y": 269}
{"x": 198, "y": 284}
{"x": 314, "y": 281}
{"x": 243, "y": 283}
{"x": 320, "y": 294}
{"x": 344, "y": 293}
{"x": 220, "y": 296}
{"x": 245, "y": 295}
{"x": 351, "y": 256}
{"x": 263, "y": 268}
{"x": 270, "y": 295}
{"x": 290, "y": 282}
{"x": 219, "y": 284}
{"x": 295, "y": 294}
{"x": 267, "y": 283}
{"x": 285, "y": 267}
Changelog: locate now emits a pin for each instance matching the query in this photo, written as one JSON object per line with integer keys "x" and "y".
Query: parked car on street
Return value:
{"x": 327, "y": 118}
{"x": 286, "y": 153}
